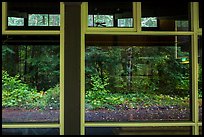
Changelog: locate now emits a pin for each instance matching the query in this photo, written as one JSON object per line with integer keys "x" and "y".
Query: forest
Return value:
{"x": 135, "y": 76}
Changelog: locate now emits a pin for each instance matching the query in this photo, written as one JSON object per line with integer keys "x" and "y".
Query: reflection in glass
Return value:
{"x": 44, "y": 20}
{"x": 200, "y": 81}
{"x": 149, "y": 22}
{"x": 30, "y": 82}
{"x": 137, "y": 78}
{"x": 15, "y": 21}
{"x": 167, "y": 14}
{"x": 38, "y": 20}
{"x": 138, "y": 131}
{"x": 127, "y": 22}
{"x": 110, "y": 14}
{"x": 54, "y": 20}
{"x": 103, "y": 21}
{"x": 30, "y": 131}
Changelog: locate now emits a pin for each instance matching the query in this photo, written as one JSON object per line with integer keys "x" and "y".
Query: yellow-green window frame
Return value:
{"x": 60, "y": 32}
{"x": 195, "y": 124}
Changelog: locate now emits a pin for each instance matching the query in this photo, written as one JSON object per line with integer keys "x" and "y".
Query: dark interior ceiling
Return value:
{"x": 167, "y": 8}
{"x": 34, "y": 7}
{"x": 109, "y": 7}
{"x": 31, "y": 39}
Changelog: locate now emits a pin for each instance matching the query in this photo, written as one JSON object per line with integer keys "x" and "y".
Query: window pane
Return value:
{"x": 171, "y": 16}
{"x": 110, "y": 14}
{"x": 138, "y": 131}
{"x": 54, "y": 20}
{"x": 30, "y": 79}
{"x": 35, "y": 16}
{"x": 30, "y": 131}
{"x": 38, "y": 20}
{"x": 103, "y": 21}
{"x": 200, "y": 81}
{"x": 200, "y": 130}
{"x": 127, "y": 22}
{"x": 200, "y": 14}
{"x": 14, "y": 21}
{"x": 149, "y": 22}
{"x": 129, "y": 78}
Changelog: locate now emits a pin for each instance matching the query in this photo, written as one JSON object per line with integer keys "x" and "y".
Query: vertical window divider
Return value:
{"x": 194, "y": 52}
{"x": 137, "y": 16}
{"x": 62, "y": 12}
{"x": 84, "y": 16}
{"x": 4, "y": 17}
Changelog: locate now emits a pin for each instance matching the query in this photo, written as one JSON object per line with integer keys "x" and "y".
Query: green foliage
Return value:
{"x": 17, "y": 94}
{"x": 37, "y": 65}
{"x": 135, "y": 100}
{"x": 97, "y": 93}
{"x": 52, "y": 97}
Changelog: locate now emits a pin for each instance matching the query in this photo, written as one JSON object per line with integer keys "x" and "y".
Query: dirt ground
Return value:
{"x": 121, "y": 115}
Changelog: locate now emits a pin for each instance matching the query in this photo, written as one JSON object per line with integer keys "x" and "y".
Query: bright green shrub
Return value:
{"x": 15, "y": 93}
{"x": 52, "y": 97}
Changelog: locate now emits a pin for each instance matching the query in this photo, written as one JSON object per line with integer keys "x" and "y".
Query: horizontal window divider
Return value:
{"x": 31, "y": 32}
{"x": 136, "y": 124}
{"x": 110, "y": 29}
{"x": 139, "y": 33}
{"x": 199, "y": 31}
{"x": 33, "y": 125}
{"x": 200, "y": 124}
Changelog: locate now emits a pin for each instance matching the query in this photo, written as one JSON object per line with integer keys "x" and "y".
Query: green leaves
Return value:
{"x": 17, "y": 94}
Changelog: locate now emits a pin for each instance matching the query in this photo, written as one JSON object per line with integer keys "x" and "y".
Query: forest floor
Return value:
{"x": 121, "y": 115}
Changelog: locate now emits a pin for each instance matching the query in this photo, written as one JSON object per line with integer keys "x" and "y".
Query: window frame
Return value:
{"x": 113, "y": 31}
{"x": 195, "y": 124}
{"x": 60, "y": 32}
{"x": 109, "y": 29}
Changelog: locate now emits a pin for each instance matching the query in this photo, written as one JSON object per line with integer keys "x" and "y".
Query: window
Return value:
{"x": 130, "y": 79}
{"x": 31, "y": 69}
{"x": 30, "y": 79}
{"x": 166, "y": 14}
{"x": 31, "y": 131}
{"x": 149, "y": 22}
{"x": 138, "y": 131}
{"x": 110, "y": 14}
{"x": 133, "y": 78}
{"x": 32, "y": 16}
{"x": 15, "y": 21}
{"x": 43, "y": 20}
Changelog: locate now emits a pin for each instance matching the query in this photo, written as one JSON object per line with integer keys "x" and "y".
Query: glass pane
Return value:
{"x": 138, "y": 131}
{"x": 170, "y": 16}
{"x": 38, "y": 20}
{"x": 129, "y": 78}
{"x": 200, "y": 14}
{"x": 35, "y": 15}
{"x": 200, "y": 81}
{"x": 30, "y": 80}
{"x": 126, "y": 22}
{"x": 110, "y": 14}
{"x": 54, "y": 20}
{"x": 14, "y": 21}
{"x": 149, "y": 22}
{"x": 30, "y": 131}
{"x": 200, "y": 130}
